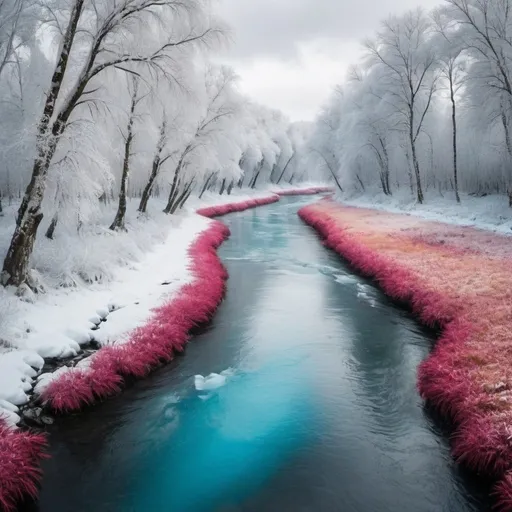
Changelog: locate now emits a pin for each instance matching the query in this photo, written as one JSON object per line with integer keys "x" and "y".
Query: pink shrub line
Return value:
{"x": 482, "y": 440}
{"x": 149, "y": 346}
{"x": 303, "y": 191}
{"x": 165, "y": 333}
{"x": 20, "y": 455}
{"x": 223, "y": 209}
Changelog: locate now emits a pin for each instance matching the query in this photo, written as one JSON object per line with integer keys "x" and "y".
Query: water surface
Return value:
{"x": 319, "y": 413}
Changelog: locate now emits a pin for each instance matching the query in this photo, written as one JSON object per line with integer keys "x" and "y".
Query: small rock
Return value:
{"x": 47, "y": 420}
{"x": 33, "y": 415}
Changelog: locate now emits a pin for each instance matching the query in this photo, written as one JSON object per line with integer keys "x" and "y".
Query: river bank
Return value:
{"x": 80, "y": 347}
{"x": 321, "y": 415}
{"x": 456, "y": 278}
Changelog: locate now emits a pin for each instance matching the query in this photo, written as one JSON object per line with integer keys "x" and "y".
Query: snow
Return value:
{"x": 17, "y": 370}
{"x": 491, "y": 212}
{"x": 128, "y": 287}
{"x": 212, "y": 381}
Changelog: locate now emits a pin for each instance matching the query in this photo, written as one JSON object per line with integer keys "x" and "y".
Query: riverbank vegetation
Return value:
{"x": 427, "y": 109}
{"x": 455, "y": 278}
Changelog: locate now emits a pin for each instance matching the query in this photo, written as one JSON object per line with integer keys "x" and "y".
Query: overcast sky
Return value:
{"x": 290, "y": 53}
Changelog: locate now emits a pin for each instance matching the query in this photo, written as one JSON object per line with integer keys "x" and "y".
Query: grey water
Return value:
{"x": 319, "y": 411}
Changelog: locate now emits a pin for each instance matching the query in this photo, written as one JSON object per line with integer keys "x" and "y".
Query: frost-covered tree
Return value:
{"x": 209, "y": 137}
{"x": 94, "y": 38}
{"x": 406, "y": 63}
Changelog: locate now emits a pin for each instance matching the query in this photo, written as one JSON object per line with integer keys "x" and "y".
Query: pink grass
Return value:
{"x": 166, "y": 332}
{"x": 156, "y": 342}
{"x": 20, "y": 455}
{"x": 223, "y": 209}
{"x": 458, "y": 279}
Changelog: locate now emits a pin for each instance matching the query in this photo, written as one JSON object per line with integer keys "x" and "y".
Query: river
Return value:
{"x": 319, "y": 411}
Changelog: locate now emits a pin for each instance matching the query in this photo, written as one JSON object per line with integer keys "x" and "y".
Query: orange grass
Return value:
{"x": 460, "y": 279}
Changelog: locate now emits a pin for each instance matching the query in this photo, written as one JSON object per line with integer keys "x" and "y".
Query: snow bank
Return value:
{"x": 156, "y": 341}
{"x": 490, "y": 212}
{"x": 17, "y": 370}
{"x": 303, "y": 191}
{"x": 457, "y": 278}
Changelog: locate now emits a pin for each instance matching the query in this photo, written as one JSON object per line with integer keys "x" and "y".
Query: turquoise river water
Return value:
{"x": 319, "y": 411}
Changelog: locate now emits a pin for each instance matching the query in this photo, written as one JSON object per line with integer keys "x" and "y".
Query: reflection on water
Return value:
{"x": 321, "y": 412}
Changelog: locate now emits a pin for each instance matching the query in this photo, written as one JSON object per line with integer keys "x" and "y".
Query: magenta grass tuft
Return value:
{"x": 223, "y": 209}
{"x": 20, "y": 456}
{"x": 456, "y": 279}
{"x": 156, "y": 342}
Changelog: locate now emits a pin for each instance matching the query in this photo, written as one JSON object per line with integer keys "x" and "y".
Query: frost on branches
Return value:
{"x": 123, "y": 104}
{"x": 427, "y": 110}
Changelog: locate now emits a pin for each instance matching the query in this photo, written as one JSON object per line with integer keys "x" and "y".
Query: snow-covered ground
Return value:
{"x": 490, "y": 212}
{"x": 90, "y": 277}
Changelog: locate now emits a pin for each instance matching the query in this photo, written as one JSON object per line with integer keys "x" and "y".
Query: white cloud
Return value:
{"x": 297, "y": 86}
{"x": 291, "y": 53}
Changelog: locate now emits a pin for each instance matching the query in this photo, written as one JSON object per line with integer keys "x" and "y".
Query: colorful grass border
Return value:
{"x": 476, "y": 442}
{"x": 20, "y": 456}
{"x": 165, "y": 333}
{"x": 223, "y": 209}
{"x": 149, "y": 346}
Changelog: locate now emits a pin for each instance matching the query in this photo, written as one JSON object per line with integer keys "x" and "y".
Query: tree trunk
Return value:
{"x": 16, "y": 263}
{"x": 272, "y": 172}
{"x": 255, "y": 180}
{"x": 419, "y": 191}
{"x": 284, "y": 170}
{"x": 50, "y": 232}
{"x": 252, "y": 182}
{"x": 230, "y": 188}
{"x": 454, "y": 139}
{"x": 333, "y": 174}
{"x": 416, "y": 165}
{"x": 386, "y": 166}
{"x": 154, "y": 169}
{"x": 121, "y": 209}
{"x": 149, "y": 185}
{"x": 182, "y": 198}
{"x": 174, "y": 187}
{"x": 205, "y": 186}
{"x": 213, "y": 183}
{"x": 185, "y": 199}
{"x": 222, "y": 187}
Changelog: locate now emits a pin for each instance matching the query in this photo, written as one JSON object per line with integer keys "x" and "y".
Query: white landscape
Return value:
{"x": 119, "y": 119}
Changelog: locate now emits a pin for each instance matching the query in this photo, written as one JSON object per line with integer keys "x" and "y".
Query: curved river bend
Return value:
{"x": 319, "y": 412}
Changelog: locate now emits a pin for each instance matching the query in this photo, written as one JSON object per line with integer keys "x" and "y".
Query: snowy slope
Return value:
{"x": 490, "y": 212}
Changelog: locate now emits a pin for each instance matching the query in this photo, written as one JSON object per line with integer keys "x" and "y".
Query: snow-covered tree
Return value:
{"x": 95, "y": 38}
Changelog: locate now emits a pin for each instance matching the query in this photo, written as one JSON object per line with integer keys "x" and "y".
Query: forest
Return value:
{"x": 428, "y": 106}
{"x": 106, "y": 103}
{"x": 114, "y": 106}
